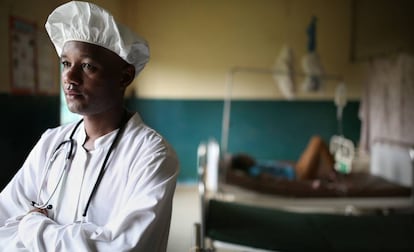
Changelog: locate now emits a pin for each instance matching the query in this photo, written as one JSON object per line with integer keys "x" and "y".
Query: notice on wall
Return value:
{"x": 47, "y": 69}
{"x": 23, "y": 56}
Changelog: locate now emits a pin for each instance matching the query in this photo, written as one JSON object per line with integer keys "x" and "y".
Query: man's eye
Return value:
{"x": 65, "y": 64}
{"x": 88, "y": 66}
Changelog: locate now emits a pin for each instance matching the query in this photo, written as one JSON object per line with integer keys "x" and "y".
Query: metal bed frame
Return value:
{"x": 340, "y": 206}
{"x": 231, "y": 194}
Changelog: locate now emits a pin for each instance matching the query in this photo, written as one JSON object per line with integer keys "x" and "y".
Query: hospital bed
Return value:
{"x": 241, "y": 219}
{"x": 355, "y": 212}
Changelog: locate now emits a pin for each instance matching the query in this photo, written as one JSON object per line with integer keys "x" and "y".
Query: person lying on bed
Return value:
{"x": 316, "y": 162}
{"x": 255, "y": 168}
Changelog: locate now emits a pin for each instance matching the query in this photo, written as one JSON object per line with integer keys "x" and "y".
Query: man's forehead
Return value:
{"x": 89, "y": 50}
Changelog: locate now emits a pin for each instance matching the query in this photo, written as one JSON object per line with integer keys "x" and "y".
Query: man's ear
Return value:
{"x": 128, "y": 75}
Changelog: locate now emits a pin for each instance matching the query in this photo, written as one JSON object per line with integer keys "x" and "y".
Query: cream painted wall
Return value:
{"x": 195, "y": 43}
{"x": 36, "y": 11}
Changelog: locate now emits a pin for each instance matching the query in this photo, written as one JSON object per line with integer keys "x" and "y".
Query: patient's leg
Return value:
{"x": 316, "y": 161}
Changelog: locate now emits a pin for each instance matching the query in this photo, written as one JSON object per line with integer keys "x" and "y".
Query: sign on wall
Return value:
{"x": 47, "y": 83}
{"x": 23, "y": 49}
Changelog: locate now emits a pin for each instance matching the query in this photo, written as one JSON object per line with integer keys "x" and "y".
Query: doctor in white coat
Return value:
{"x": 105, "y": 183}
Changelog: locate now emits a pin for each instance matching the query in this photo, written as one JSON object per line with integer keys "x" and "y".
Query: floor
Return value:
{"x": 186, "y": 213}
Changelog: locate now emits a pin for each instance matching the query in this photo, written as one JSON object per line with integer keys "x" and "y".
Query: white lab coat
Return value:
{"x": 130, "y": 211}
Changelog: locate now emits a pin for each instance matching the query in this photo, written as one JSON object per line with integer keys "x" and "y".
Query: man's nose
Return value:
{"x": 72, "y": 75}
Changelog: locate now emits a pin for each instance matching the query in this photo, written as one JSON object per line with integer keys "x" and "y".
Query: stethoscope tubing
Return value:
{"x": 68, "y": 158}
{"x": 43, "y": 184}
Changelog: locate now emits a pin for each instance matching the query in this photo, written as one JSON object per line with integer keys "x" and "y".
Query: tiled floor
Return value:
{"x": 186, "y": 212}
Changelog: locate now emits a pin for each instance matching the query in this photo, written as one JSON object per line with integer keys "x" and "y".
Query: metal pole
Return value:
{"x": 228, "y": 95}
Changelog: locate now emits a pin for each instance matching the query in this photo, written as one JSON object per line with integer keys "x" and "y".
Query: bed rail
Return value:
{"x": 202, "y": 242}
{"x": 200, "y": 227}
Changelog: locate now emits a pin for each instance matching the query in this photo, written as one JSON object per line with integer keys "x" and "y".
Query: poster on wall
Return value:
{"x": 23, "y": 56}
{"x": 46, "y": 65}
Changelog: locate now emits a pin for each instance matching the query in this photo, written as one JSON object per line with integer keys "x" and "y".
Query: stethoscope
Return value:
{"x": 68, "y": 158}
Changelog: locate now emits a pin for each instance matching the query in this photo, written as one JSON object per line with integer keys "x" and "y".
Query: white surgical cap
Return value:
{"x": 87, "y": 22}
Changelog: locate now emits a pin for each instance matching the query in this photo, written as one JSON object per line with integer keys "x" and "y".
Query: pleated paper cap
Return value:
{"x": 87, "y": 22}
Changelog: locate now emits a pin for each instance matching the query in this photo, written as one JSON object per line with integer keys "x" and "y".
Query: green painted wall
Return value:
{"x": 265, "y": 129}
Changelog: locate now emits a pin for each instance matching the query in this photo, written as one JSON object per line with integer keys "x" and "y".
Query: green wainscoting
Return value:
{"x": 184, "y": 123}
{"x": 281, "y": 129}
{"x": 265, "y": 129}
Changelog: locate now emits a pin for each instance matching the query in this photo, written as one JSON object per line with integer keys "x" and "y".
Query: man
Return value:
{"x": 105, "y": 183}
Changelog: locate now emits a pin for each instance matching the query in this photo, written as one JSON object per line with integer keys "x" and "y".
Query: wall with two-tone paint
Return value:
{"x": 193, "y": 46}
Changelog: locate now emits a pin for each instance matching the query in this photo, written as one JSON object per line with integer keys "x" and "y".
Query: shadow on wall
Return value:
{"x": 25, "y": 118}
